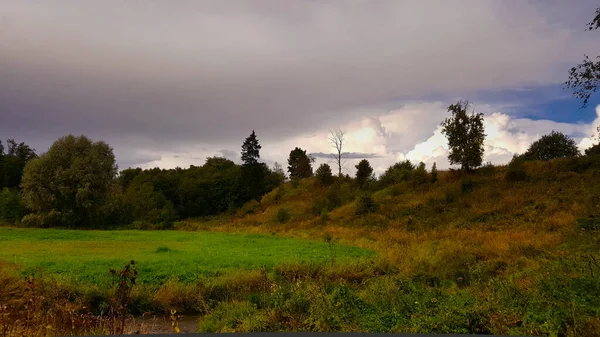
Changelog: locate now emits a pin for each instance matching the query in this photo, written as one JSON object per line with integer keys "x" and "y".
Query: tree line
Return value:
{"x": 76, "y": 183}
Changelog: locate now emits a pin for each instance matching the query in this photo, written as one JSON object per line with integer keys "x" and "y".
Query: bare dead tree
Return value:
{"x": 336, "y": 139}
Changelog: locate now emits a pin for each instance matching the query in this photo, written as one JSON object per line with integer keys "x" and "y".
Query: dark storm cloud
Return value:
{"x": 153, "y": 77}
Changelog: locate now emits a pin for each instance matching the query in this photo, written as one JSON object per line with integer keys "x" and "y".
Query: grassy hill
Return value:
{"x": 526, "y": 252}
{"x": 470, "y": 253}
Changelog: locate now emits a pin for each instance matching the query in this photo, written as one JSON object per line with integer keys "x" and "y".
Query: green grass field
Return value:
{"x": 87, "y": 256}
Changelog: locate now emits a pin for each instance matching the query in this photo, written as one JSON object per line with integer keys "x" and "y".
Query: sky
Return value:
{"x": 170, "y": 83}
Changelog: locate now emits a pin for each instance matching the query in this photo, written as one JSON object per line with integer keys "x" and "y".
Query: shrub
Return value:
{"x": 487, "y": 169}
{"x": 365, "y": 204}
{"x": 516, "y": 169}
{"x": 295, "y": 182}
{"x": 551, "y": 146}
{"x": 420, "y": 175}
{"x": 397, "y": 173}
{"x": 282, "y": 215}
{"x": 395, "y": 190}
{"x": 450, "y": 197}
{"x": 41, "y": 220}
{"x": 324, "y": 175}
{"x": 324, "y": 215}
{"x": 249, "y": 208}
{"x": 593, "y": 151}
{"x": 590, "y": 223}
{"x": 466, "y": 186}
{"x": 319, "y": 205}
{"x": 11, "y": 208}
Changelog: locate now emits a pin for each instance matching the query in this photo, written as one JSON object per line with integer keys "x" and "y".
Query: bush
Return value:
{"x": 319, "y": 205}
{"x": 590, "y": 223}
{"x": 516, "y": 169}
{"x": 324, "y": 215}
{"x": 420, "y": 175}
{"x": 397, "y": 173}
{"x": 395, "y": 190}
{"x": 11, "y": 208}
{"x": 282, "y": 215}
{"x": 41, "y": 220}
{"x": 551, "y": 146}
{"x": 593, "y": 151}
{"x": 249, "y": 208}
{"x": 295, "y": 182}
{"x": 324, "y": 175}
{"x": 466, "y": 186}
{"x": 365, "y": 204}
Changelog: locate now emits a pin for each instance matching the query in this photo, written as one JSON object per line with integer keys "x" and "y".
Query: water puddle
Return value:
{"x": 162, "y": 324}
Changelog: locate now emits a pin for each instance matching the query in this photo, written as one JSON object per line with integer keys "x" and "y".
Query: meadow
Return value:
{"x": 86, "y": 256}
{"x": 469, "y": 253}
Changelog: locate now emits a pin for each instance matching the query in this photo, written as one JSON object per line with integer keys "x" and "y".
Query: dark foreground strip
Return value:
{"x": 322, "y": 334}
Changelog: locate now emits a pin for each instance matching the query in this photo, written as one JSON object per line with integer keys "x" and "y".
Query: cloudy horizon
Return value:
{"x": 168, "y": 84}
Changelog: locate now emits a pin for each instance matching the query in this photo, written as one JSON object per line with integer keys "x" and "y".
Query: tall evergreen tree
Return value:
{"x": 299, "y": 164}
{"x": 251, "y": 149}
{"x": 364, "y": 172}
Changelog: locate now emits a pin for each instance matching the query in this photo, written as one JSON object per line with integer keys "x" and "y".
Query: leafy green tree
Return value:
{"x": 251, "y": 149}
{"x": 300, "y": 164}
{"x": 126, "y": 176}
{"x": 71, "y": 180}
{"x": 550, "y": 146}
{"x": 465, "y": 134}
{"x": 364, "y": 173}
{"x": 584, "y": 78}
{"x": 324, "y": 174}
{"x": 397, "y": 173}
{"x": 13, "y": 162}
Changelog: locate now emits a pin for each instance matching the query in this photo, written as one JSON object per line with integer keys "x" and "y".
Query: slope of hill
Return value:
{"x": 526, "y": 251}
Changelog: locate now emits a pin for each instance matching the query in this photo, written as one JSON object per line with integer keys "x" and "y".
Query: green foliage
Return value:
{"x": 465, "y": 134}
{"x": 300, "y": 164}
{"x": 11, "y": 208}
{"x": 324, "y": 175}
{"x": 145, "y": 204}
{"x": 516, "y": 169}
{"x": 13, "y": 162}
{"x": 591, "y": 223}
{"x": 434, "y": 173}
{"x": 420, "y": 175}
{"x": 466, "y": 186}
{"x": 251, "y": 150}
{"x": 249, "y": 208}
{"x": 72, "y": 179}
{"x": 551, "y": 146}
{"x": 364, "y": 173}
{"x": 397, "y": 173}
{"x": 593, "y": 151}
{"x": 227, "y": 316}
{"x": 365, "y": 205}
{"x": 282, "y": 215}
{"x": 324, "y": 214}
